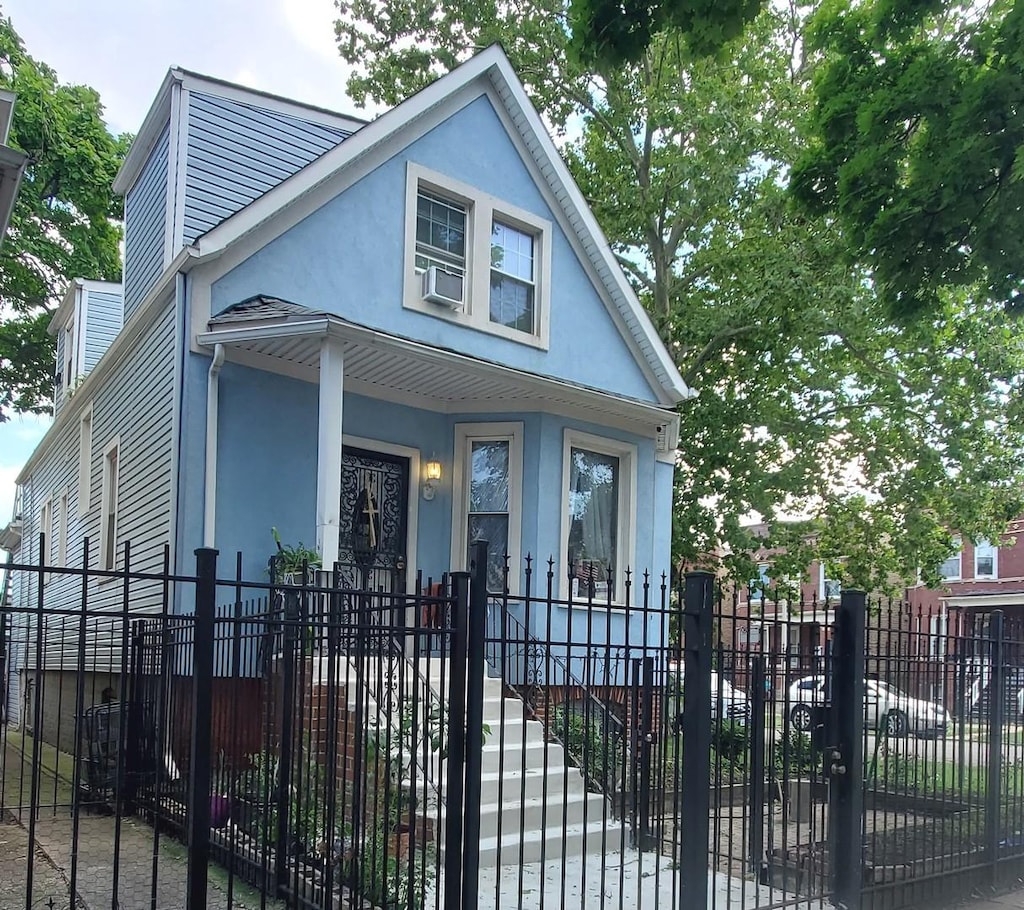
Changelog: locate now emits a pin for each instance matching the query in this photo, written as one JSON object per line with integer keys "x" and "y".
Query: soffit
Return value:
{"x": 279, "y": 335}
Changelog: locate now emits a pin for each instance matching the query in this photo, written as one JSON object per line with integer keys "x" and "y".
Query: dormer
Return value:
{"x": 85, "y": 324}
{"x": 207, "y": 149}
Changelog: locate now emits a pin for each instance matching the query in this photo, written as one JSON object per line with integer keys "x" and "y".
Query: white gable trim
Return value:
{"x": 493, "y": 64}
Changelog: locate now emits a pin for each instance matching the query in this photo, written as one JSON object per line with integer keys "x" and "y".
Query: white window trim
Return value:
{"x": 70, "y": 358}
{"x": 85, "y": 462}
{"x": 481, "y": 209}
{"x": 113, "y": 446}
{"x": 821, "y": 581}
{"x": 465, "y": 435}
{"x": 46, "y": 527}
{"x": 62, "y": 529}
{"x": 959, "y": 544}
{"x": 995, "y": 561}
{"x": 937, "y": 635}
{"x": 626, "y": 531}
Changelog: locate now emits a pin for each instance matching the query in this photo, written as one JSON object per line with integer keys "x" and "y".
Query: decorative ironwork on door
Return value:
{"x": 374, "y": 505}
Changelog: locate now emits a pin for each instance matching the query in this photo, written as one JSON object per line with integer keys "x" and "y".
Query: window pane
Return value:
{"x": 441, "y": 224}
{"x": 951, "y": 567}
{"x": 984, "y": 559}
{"x": 593, "y": 509}
{"x": 511, "y": 302}
{"x": 511, "y": 251}
{"x": 493, "y": 529}
{"x": 488, "y": 488}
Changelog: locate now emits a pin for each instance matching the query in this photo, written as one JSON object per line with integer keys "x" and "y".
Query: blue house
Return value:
{"x": 412, "y": 328}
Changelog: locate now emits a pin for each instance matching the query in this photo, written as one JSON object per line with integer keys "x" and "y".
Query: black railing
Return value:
{"x": 324, "y": 744}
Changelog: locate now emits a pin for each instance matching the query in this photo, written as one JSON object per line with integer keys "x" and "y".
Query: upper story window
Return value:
{"x": 440, "y": 233}
{"x": 85, "y": 462}
{"x": 984, "y": 560}
{"x": 951, "y": 568}
{"x": 512, "y": 277}
{"x": 109, "y": 507}
{"x": 828, "y": 588}
{"x": 599, "y": 483}
{"x": 476, "y": 260}
{"x": 69, "y": 358}
{"x": 758, "y": 586}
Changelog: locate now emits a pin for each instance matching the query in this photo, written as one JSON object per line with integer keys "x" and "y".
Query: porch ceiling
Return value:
{"x": 287, "y": 338}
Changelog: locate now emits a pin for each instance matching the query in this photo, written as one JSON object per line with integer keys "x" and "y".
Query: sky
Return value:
{"x": 123, "y": 49}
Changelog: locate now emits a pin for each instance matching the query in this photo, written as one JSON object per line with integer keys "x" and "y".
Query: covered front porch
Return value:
{"x": 324, "y": 430}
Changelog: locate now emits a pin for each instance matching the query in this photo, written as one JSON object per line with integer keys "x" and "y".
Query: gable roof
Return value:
{"x": 491, "y": 67}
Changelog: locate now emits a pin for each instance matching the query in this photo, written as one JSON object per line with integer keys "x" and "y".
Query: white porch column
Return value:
{"x": 328, "y": 454}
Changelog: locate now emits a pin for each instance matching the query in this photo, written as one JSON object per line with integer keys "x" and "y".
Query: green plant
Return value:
{"x": 794, "y": 754}
{"x": 292, "y": 560}
{"x": 731, "y": 741}
{"x": 597, "y": 755}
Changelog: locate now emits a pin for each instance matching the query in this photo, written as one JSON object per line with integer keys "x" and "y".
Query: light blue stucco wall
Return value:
{"x": 348, "y": 258}
{"x": 266, "y": 460}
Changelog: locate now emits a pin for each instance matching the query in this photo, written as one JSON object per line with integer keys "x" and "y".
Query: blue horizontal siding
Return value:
{"x": 104, "y": 322}
{"x": 145, "y": 219}
{"x": 237, "y": 152}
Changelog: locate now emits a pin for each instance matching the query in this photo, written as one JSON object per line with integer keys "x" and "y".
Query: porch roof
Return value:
{"x": 985, "y": 600}
{"x": 269, "y": 333}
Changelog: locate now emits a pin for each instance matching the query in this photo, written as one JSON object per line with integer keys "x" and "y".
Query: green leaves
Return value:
{"x": 916, "y": 134}
{"x": 611, "y": 33}
{"x": 64, "y": 223}
{"x": 856, "y": 437}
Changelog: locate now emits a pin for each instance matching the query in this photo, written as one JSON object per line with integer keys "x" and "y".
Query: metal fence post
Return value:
{"x": 996, "y": 709}
{"x": 476, "y": 643}
{"x": 454, "y": 840}
{"x": 758, "y": 697}
{"x": 698, "y": 605}
{"x": 845, "y": 761}
{"x": 202, "y": 716}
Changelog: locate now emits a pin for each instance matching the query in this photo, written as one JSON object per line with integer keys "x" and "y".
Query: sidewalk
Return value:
{"x": 125, "y": 878}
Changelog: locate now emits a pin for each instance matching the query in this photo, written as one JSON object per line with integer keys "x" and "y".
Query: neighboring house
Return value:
{"x": 978, "y": 579}
{"x": 418, "y": 314}
{"x": 787, "y": 620}
{"x": 929, "y": 631}
{"x": 12, "y": 162}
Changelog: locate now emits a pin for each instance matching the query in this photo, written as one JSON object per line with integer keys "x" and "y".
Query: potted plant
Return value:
{"x": 288, "y": 562}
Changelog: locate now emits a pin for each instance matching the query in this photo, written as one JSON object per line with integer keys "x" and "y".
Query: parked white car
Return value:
{"x": 727, "y": 702}
{"x": 882, "y": 703}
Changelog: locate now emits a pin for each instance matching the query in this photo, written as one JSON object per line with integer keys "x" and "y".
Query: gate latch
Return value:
{"x": 836, "y": 766}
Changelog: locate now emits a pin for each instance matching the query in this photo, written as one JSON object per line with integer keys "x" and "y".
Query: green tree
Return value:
{"x": 64, "y": 223}
{"x": 613, "y": 32}
{"x": 916, "y": 145}
{"x": 812, "y": 399}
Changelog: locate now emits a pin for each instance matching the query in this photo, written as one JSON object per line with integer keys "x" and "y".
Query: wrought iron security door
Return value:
{"x": 374, "y": 508}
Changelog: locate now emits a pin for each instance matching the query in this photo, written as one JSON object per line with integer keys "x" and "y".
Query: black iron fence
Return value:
{"x": 317, "y": 742}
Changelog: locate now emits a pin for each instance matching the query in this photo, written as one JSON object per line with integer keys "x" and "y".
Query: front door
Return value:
{"x": 374, "y": 518}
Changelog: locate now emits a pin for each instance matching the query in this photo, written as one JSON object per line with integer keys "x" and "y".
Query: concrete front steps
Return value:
{"x": 533, "y": 805}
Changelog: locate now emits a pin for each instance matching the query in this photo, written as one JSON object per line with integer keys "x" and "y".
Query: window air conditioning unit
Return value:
{"x": 442, "y": 287}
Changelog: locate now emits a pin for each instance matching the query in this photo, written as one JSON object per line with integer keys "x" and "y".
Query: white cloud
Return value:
{"x": 311, "y": 22}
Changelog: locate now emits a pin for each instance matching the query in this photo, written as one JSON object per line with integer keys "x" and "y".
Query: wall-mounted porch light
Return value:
{"x": 431, "y": 476}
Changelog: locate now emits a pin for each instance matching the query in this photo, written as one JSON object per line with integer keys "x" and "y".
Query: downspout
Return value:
{"x": 210, "y": 474}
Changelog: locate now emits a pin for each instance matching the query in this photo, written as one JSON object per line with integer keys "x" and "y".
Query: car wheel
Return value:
{"x": 895, "y": 723}
{"x": 800, "y": 717}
